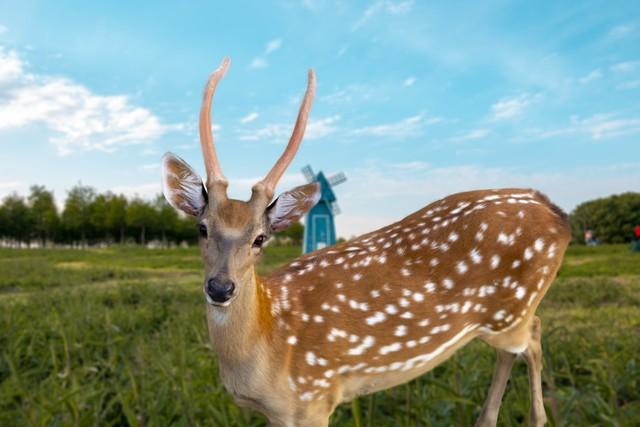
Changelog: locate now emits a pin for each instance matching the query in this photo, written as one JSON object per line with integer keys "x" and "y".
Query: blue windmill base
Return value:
{"x": 319, "y": 229}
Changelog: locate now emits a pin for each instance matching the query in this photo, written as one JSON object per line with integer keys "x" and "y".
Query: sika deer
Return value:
{"x": 376, "y": 311}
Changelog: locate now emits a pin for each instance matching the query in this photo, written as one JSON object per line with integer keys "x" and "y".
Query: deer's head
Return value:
{"x": 232, "y": 232}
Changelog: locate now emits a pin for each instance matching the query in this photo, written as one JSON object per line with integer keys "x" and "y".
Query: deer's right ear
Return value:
{"x": 182, "y": 186}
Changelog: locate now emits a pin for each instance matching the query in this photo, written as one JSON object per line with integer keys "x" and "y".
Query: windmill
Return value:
{"x": 320, "y": 228}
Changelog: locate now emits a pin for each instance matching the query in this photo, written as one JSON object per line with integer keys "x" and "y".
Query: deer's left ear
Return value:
{"x": 182, "y": 186}
{"x": 289, "y": 207}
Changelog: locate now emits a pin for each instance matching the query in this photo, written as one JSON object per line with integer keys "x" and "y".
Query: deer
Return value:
{"x": 373, "y": 312}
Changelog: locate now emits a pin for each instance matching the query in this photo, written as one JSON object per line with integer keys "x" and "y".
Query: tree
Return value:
{"x": 75, "y": 217}
{"x": 167, "y": 218}
{"x": 611, "y": 218}
{"x": 295, "y": 232}
{"x": 116, "y": 215}
{"x": 44, "y": 213}
{"x": 141, "y": 217}
{"x": 16, "y": 218}
{"x": 98, "y": 217}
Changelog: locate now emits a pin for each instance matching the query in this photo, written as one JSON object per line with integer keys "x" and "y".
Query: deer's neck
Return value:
{"x": 235, "y": 330}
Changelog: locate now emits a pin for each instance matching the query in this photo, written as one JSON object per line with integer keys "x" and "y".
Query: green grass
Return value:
{"x": 118, "y": 337}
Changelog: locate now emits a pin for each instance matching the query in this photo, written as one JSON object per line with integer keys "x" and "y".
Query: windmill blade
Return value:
{"x": 338, "y": 178}
{"x": 308, "y": 173}
{"x": 335, "y": 209}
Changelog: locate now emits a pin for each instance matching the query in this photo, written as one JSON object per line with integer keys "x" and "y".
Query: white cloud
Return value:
{"x": 383, "y": 6}
{"x": 409, "y": 81}
{"x": 350, "y": 93}
{"x": 310, "y": 4}
{"x": 625, "y": 67}
{"x": 9, "y": 187}
{"x": 10, "y": 184}
{"x": 471, "y": 135}
{"x": 11, "y": 67}
{"x": 507, "y": 108}
{"x": 145, "y": 191}
{"x": 320, "y": 128}
{"x": 379, "y": 195}
{"x": 258, "y": 63}
{"x": 620, "y": 31}
{"x": 633, "y": 84}
{"x": 272, "y": 46}
{"x": 280, "y": 132}
{"x": 593, "y": 75}
{"x": 405, "y": 128}
{"x": 337, "y": 97}
{"x": 416, "y": 165}
{"x": 151, "y": 167}
{"x": 77, "y": 118}
{"x": 261, "y": 60}
{"x": 249, "y": 117}
{"x": 598, "y": 126}
{"x": 3, "y": 29}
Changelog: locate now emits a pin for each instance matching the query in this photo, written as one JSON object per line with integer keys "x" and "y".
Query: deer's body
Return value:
{"x": 373, "y": 312}
{"x": 386, "y": 307}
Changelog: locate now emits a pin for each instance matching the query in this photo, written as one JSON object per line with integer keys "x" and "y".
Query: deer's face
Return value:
{"x": 231, "y": 236}
{"x": 232, "y": 232}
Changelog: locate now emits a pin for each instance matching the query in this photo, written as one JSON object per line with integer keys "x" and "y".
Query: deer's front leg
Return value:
{"x": 489, "y": 415}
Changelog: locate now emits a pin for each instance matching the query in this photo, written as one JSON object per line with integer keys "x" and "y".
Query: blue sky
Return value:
{"x": 414, "y": 100}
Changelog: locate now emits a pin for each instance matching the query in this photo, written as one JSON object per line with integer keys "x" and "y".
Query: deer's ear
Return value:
{"x": 182, "y": 186}
{"x": 289, "y": 207}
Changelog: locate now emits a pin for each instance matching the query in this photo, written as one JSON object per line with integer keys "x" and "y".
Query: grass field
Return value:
{"x": 118, "y": 337}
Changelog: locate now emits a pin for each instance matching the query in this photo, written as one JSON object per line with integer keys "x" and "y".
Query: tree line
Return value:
{"x": 611, "y": 219}
{"x": 89, "y": 217}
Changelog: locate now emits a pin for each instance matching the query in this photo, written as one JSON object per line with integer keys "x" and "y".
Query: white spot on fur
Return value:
{"x": 378, "y": 317}
{"x": 391, "y": 309}
{"x": 367, "y": 343}
{"x": 461, "y": 267}
{"x": 528, "y": 254}
{"x": 430, "y": 287}
{"x": 495, "y": 261}
{"x": 396, "y": 346}
{"x": 400, "y": 331}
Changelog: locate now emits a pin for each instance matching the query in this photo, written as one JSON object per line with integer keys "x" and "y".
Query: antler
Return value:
{"x": 211, "y": 163}
{"x": 271, "y": 180}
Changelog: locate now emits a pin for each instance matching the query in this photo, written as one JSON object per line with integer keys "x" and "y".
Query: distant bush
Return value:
{"x": 611, "y": 219}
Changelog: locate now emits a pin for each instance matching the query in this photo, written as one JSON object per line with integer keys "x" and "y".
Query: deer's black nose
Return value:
{"x": 220, "y": 290}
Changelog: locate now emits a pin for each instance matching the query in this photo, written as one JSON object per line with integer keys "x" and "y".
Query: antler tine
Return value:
{"x": 211, "y": 162}
{"x": 274, "y": 175}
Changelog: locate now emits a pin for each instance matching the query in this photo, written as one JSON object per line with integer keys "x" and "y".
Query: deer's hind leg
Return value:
{"x": 533, "y": 356}
{"x": 526, "y": 342}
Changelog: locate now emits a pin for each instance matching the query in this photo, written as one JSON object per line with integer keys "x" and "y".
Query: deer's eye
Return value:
{"x": 259, "y": 241}
{"x": 202, "y": 229}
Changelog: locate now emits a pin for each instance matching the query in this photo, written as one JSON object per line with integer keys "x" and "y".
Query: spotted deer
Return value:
{"x": 373, "y": 312}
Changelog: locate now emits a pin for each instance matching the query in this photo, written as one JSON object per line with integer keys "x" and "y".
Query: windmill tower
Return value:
{"x": 320, "y": 228}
